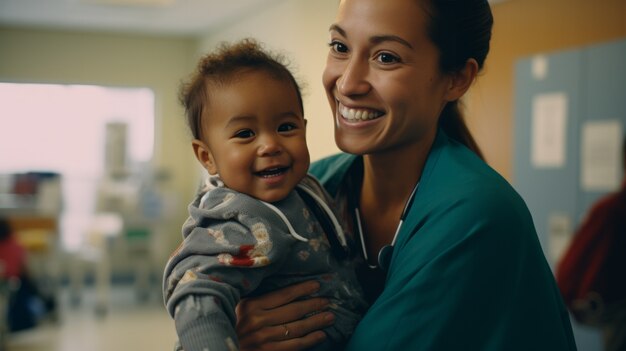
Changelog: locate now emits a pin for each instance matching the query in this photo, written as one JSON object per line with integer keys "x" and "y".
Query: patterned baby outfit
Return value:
{"x": 238, "y": 246}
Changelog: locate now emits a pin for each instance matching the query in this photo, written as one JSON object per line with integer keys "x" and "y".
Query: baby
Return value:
{"x": 260, "y": 222}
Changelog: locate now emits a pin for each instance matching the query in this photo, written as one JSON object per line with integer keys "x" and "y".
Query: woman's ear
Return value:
{"x": 462, "y": 79}
{"x": 204, "y": 156}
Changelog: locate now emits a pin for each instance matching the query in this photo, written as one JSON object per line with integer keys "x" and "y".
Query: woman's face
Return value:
{"x": 382, "y": 77}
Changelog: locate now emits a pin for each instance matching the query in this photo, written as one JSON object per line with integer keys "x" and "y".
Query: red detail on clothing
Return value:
{"x": 596, "y": 258}
{"x": 327, "y": 277}
{"x": 13, "y": 258}
{"x": 243, "y": 258}
{"x": 216, "y": 279}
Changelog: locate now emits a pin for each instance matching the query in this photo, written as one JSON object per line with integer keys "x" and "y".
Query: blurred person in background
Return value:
{"x": 590, "y": 275}
{"x": 26, "y": 304}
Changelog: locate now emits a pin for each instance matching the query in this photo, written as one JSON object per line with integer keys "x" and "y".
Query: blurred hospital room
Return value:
{"x": 96, "y": 163}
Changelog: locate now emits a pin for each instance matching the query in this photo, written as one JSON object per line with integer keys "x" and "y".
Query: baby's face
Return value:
{"x": 255, "y": 136}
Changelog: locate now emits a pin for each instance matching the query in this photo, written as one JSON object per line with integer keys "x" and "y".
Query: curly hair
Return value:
{"x": 221, "y": 67}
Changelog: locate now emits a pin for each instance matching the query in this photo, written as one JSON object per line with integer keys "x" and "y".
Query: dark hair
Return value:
{"x": 221, "y": 67}
{"x": 5, "y": 229}
{"x": 461, "y": 29}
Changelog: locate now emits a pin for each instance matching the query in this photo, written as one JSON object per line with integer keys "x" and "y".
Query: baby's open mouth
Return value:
{"x": 271, "y": 172}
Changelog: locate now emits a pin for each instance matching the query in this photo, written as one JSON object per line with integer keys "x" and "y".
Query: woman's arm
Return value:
{"x": 276, "y": 321}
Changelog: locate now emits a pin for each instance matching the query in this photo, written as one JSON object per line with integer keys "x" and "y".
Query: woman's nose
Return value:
{"x": 353, "y": 80}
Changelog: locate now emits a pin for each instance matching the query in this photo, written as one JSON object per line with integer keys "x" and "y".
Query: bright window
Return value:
{"x": 61, "y": 128}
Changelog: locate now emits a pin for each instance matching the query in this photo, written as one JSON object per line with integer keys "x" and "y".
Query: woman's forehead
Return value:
{"x": 375, "y": 19}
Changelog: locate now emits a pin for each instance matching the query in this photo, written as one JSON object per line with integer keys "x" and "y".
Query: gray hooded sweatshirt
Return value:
{"x": 237, "y": 246}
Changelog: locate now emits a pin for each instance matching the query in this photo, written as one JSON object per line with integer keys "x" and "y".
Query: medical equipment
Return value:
{"x": 384, "y": 255}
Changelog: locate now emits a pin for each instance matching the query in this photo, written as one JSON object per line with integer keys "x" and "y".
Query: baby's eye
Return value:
{"x": 287, "y": 127}
{"x": 387, "y": 58}
{"x": 338, "y": 47}
{"x": 244, "y": 134}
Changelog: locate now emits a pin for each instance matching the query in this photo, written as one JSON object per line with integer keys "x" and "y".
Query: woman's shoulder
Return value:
{"x": 458, "y": 181}
{"x": 331, "y": 170}
{"x": 330, "y": 165}
{"x": 464, "y": 203}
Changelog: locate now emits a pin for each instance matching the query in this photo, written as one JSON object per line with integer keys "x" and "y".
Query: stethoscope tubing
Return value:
{"x": 385, "y": 252}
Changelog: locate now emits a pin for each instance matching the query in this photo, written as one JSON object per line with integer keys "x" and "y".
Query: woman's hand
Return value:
{"x": 275, "y": 321}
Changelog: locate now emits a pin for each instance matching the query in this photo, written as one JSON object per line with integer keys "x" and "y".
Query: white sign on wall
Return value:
{"x": 560, "y": 234}
{"x": 601, "y": 161}
{"x": 549, "y": 122}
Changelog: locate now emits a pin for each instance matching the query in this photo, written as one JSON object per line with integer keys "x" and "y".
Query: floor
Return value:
{"x": 126, "y": 325}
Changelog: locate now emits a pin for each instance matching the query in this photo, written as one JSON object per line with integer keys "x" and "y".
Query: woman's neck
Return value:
{"x": 388, "y": 180}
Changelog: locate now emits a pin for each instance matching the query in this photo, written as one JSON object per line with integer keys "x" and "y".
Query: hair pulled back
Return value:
{"x": 461, "y": 29}
{"x": 222, "y": 67}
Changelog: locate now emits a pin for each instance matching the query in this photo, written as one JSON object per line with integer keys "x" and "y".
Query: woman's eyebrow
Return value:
{"x": 336, "y": 28}
{"x": 383, "y": 38}
{"x": 377, "y": 39}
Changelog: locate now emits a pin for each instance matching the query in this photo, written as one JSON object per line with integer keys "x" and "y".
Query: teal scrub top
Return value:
{"x": 467, "y": 271}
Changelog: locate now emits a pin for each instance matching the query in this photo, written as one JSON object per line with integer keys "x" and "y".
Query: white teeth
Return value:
{"x": 357, "y": 115}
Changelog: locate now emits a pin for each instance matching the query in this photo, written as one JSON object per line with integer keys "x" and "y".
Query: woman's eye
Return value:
{"x": 244, "y": 134}
{"x": 387, "y": 58}
{"x": 338, "y": 47}
{"x": 287, "y": 127}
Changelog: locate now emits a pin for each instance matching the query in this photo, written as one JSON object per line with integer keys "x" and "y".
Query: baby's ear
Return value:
{"x": 204, "y": 156}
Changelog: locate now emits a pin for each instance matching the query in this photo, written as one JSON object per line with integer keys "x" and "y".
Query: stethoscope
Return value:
{"x": 384, "y": 255}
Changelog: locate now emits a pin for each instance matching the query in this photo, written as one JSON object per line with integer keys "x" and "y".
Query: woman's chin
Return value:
{"x": 351, "y": 144}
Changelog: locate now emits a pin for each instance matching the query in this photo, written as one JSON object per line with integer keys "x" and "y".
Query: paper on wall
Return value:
{"x": 549, "y": 121}
{"x": 559, "y": 235}
{"x": 539, "y": 67}
{"x": 601, "y": 155}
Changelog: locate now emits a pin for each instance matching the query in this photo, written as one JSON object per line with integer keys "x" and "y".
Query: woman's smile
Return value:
{"x": 358, "y": 114}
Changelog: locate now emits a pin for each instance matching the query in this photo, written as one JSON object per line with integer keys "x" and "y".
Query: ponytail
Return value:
{"x": 461, "y": 29}
{"x": 453, "y": 123}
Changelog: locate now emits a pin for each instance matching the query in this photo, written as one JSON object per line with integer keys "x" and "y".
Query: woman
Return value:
{"x": 451, "y": 242}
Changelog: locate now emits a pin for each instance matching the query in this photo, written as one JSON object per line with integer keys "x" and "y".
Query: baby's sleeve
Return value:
{"x": 217, "y": 263}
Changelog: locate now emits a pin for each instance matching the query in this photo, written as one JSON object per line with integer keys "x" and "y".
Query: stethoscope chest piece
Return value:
{"x": 385, "y": 253}
{"x": 384, "y": 257}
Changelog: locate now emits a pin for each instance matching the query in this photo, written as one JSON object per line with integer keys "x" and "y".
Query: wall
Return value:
{"x": 523, "y": 28}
